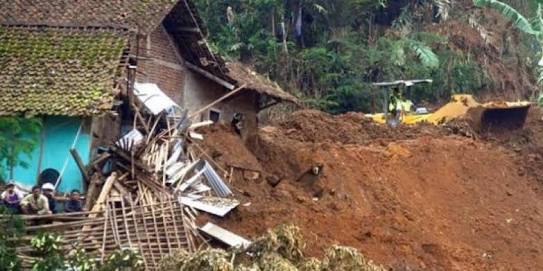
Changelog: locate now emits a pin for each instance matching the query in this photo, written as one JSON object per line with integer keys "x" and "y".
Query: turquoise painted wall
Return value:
{"x": 58, "y": 135}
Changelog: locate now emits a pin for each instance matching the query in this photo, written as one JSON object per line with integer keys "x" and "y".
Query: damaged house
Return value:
{"x": 79, "y": 66}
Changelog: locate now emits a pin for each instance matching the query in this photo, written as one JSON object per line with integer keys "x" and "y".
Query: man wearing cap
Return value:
{"x": 12, "y": 197}
{"x": 35, "y": 203}
{"x": 49, "y": 191}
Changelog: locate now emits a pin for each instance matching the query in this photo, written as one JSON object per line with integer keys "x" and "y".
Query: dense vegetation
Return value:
{"x": 331, "y": 51}
{"x": 18, "y": 137}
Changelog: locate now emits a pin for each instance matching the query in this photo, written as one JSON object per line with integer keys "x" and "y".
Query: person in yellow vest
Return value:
{"x": 394, "y": 107}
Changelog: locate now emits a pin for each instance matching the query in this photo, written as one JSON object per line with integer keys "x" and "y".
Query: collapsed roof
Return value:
{"x": 245, "y": 75}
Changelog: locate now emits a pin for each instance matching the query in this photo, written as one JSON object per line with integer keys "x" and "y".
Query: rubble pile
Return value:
{"x": 145, "y": 190}
{"x": 411, "y": 198}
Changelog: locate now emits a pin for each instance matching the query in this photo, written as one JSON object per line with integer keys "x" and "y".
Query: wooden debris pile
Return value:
{"x": 144, "y": 190}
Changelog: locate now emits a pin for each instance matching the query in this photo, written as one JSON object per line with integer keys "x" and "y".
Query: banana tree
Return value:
{"x": 531, "y": 26}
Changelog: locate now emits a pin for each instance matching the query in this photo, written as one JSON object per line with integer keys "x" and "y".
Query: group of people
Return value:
{"x": 40, "y": 201}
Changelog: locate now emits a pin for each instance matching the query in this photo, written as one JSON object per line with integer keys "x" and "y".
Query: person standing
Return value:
{"x": 394, "y": 107}
{"x": 12, "y": 198}
{"x": 35, "y": 203}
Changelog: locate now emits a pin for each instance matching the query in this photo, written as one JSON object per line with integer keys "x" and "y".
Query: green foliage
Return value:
{"x": 11, "y": 229}
{"x": 48, "y": 252}
{"x": 124, "y": 259}
{"x": 49, "y": 255}
{"x": 279, "y": 250}
{"x": 506, "y": 10}
{"x": 18, "y": 135}
{"x": 531, "y": 26}
{"x": 341, "y": 50}
{"x": 79, "y": 260}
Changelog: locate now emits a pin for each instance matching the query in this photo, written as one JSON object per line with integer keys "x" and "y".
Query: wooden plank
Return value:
{"x": 224, "y": 235}
{"x": 103, "y": 194}
{"x": 200, "y": 124}
{"x": 209, "y": 75}
{"x": 224, "y": 97}
{"x": 103, "y": 252}
{"x": 81, "y": 166}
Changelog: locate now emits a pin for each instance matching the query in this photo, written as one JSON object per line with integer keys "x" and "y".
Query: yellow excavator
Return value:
{"x": 481, "y": 116}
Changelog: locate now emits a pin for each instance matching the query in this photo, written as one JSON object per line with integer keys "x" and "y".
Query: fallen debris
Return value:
{"x": 225, "y": 236}
{"x": 144, "y": 188}
{"x": 213, "y": 205}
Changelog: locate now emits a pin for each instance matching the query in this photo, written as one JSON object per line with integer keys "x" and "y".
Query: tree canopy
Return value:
{"x": 329, "y": 52}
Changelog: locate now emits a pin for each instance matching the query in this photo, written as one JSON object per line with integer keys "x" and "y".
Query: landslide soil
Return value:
{"x": 413, "y": 198}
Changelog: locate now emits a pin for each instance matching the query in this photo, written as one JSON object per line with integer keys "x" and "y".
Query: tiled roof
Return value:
{"x": 58, "y": 70}
{"x": 136, "y": 15}
{"x": 252, "y": 80}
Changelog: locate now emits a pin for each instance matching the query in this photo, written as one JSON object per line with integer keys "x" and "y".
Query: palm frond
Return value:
{"x": 320, "y": 9}
{"x": 425, "y": 54}
{"x": 538, "y": 22}
{"x": 443, "y": 7}
{"x": 519, "y": 21}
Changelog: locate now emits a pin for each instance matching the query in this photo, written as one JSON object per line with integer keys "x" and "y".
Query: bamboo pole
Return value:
{"x": 103, "y": 252}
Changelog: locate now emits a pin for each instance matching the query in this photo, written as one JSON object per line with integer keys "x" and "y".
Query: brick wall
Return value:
{"x": 161, "y": 65}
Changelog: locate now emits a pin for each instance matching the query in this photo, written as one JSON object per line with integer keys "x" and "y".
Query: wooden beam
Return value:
{"x": 91, "y": 191}
{"x": 224, "y": 97}
{"x": 210, "y": 76}
{"x": 81, "y": 166}
{"x": 268, "y": 105}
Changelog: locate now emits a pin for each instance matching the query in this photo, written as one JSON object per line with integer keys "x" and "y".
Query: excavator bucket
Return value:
{"x": 499, "y": 116}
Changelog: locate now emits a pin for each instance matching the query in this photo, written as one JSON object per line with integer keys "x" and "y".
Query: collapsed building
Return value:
{"x": 81, "y": 66}
{"x": 120, "y": 87}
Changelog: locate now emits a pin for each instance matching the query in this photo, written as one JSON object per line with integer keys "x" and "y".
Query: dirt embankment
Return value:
{"x": 414, "y": 198}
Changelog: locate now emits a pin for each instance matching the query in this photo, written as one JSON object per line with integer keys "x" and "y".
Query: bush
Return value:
{"x": 279, "y": 250}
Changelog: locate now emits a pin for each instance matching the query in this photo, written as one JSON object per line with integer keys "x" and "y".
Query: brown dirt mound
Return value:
{"x": 527, "y": 143}
{"x": 351, "y": 128}
{"x": 413, "y": 198}
{"x": 221, "y": 144}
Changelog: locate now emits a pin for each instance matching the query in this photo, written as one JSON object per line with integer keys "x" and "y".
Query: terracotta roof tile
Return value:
{"x": 143, "y": 15}
{"x": 58, "y": 71}
{"x": 244, "y": 75}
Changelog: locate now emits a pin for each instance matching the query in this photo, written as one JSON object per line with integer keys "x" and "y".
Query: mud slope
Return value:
{"x": 433, "y": 202}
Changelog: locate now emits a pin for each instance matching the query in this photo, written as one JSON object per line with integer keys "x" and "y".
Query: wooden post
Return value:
{"x": 91, "y": 191}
